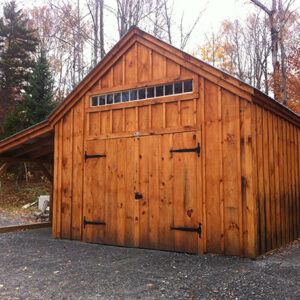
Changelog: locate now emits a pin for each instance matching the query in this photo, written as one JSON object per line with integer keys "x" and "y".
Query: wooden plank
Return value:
{"x": 130, "y": 119}
{"x": 272, "y": 180}
{"x": 154, "y": 191}
{"x": 221, "y": 176}
{"x": 212, "y": 181}
{"x": 117, "y": 120}
{"x": 166, "y": 236}
{"x": 143, "y": 63}
{"x": 173, "y": 69}
{"x": 144, "y": 157}
{"x": 267, "y": 180}
{"x": 130, "y": 66}
{"x": 281, "y": 175}
{"x": 121, "y": 188}
{"x": 157, "y": 116}
{"x": 78, "y": 125}
{"x": 230, "y": 173}
{"x": 59, "y": 180}
{"x": 131, "y": 188}
{"x": 203, "y": 160}
{"x": 24, "y": 227}
{"x": 172, "y": 115}
{"x": 118, "y": 73}
{"x": 277, "y": 181}
{"x": 143, "y": 118}
{"x": 297, "y": 163}
{"x": 55, "y": 184}
{"x": 255, "y": 174}
{"x": 111, "y": 192}
{"x": 293, "y": 160}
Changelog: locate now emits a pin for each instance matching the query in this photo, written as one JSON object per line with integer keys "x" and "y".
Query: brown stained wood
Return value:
{"x": 221, "y": 177}
{"x": 94, "y": 124}
{"x": 157, "y": 116}
{"x": 131, "y": 188}
{"x": 111, "y": 191}
{"x": 212, "y": 141}
{"x": 249, "y": 205}
{"x": 130, "y": 66}
{"x": 203, "y": 160}
{"x": 172, "y": 115}
{"x": 285, "y": 181}
{"x": 105, "y": 123}
{"x": 255, "y": 176}
{"x": 130, "y": 119}
{"x": 66, "y": 177}
{"x": 267, "y": 179}
{"x": 24, "y": 227}
{"x": 78, "y": 165}
{"x": 144, "y": 218}
{"x": 187, "y": 113}
{"x": 272, "y": 179}
{"x": 293, "y": 159}
{"x": 277, "y": 181}
{"x": 118, "y": 73}
{"x": 117, "y": 120}
{"x": 281, "y": 175}
{"x": 166, "y": 236}
{"x": 121, "y": 191}
{"x": 173, "y": 69}
{"x": 55, "y": 182}
{"x": 143, "y": 118}
{"x": 59, "y": 179}
{"x": 144, "y": 63}
{"x": 289, "y": 178}
{"x": 230, "y": 173}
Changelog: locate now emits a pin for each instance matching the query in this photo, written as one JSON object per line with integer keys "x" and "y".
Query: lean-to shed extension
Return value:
{"x": 157, "y": 149}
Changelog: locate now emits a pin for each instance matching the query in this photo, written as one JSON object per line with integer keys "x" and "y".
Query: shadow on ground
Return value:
{"x": 35, "y": 266}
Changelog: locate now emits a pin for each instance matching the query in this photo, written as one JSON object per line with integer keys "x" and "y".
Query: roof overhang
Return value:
{"x": 34, "y": 144}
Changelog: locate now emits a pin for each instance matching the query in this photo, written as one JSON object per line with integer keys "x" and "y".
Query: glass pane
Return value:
{"x": 102, "y": 100}
{"x": 150, "y": 92}
{"x": 133, "y": 95}
{"x": 159, "y": 91}
{"x": 142, "y": 94}
{"x": 168, "y": 89}
{"x": 117, "y": 98}
{"x": 95, "y": 101}
{"x": 125, "y": 96}
{"x": 188, "y": 86}
{"x": 178, "y": 87}
{"x": 110, "y": 98}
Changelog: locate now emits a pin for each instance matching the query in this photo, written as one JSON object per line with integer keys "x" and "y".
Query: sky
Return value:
{"x": 214, "y": 12}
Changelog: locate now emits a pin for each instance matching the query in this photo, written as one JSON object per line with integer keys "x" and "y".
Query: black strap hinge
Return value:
{"x": 198, "y": 230}
{"x": 85, "y": 222}
{"x": 86, "y": 156}
{"x": 197, "y": 150}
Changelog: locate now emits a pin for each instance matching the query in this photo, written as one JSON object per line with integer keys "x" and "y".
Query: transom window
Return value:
{"x": 164, "y": 90}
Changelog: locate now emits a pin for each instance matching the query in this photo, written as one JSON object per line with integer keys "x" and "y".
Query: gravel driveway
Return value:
{"x": 35, "y": 266}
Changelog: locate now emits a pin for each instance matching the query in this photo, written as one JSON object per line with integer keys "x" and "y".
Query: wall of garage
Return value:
{"x": 221, "y": 191}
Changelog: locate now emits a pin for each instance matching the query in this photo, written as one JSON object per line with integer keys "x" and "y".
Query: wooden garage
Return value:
{"x": 157, "y": 149}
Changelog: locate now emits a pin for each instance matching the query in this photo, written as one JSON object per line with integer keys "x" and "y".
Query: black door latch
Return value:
{"x": 86, "y": 156}
{"x": 138, "y": 196}
{"x": 85, "y": 222}
{"x": 198, "y": 230}
{"x": 197, "y": 150}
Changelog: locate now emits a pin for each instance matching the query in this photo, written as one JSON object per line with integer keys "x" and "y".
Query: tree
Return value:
{"x": 279, "y": 15}
{"x": 38, "y": 102}
{"x": 17, "y": 44}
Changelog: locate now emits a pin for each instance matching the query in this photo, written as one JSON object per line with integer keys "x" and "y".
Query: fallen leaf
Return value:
{"x": 55, "y": 272}
{"x": 149, "y": 284}
{"x": 1, "y": 286}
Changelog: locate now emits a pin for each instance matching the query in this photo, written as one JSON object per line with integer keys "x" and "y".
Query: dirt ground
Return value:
{"x": 35, "y": 266}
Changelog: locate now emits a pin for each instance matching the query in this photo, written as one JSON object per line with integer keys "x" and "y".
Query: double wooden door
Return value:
{"x": 143, "y": 192}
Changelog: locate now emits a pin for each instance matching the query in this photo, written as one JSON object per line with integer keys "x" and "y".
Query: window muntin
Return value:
{"x": 164, "y": 90}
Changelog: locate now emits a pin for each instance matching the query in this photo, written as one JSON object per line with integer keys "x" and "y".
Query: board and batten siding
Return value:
{"x": 276, "y": 170}
{"x": 237, "y": 174}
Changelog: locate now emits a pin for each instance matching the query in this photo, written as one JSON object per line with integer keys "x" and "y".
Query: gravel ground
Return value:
{"x": 35, "y": 266}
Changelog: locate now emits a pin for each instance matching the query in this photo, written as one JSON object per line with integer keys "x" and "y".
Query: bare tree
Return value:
{"x": 279, "y": 13}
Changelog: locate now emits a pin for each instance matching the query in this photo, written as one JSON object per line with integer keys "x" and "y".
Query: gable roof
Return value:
{"x": 196, "y": 65}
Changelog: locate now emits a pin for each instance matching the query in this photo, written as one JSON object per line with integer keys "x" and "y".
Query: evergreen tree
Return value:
{"x": 17, "y": 44}
{"x": 38, "y": 102}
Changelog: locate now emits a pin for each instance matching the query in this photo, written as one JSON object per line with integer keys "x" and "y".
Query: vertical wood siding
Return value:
{"x": 276, "y": 169}
{"x": 246, "y": 187}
